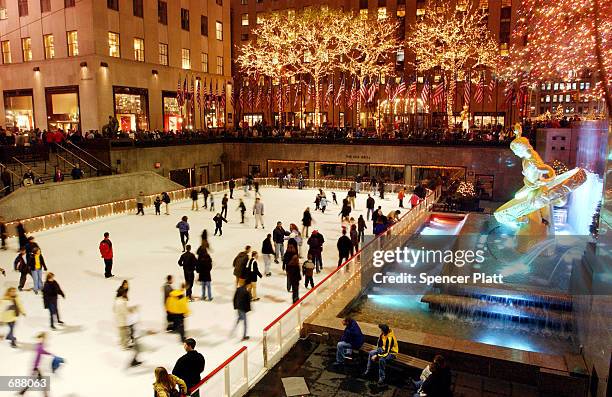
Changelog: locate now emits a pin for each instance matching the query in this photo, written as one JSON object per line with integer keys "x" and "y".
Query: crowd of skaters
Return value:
{"x": 281, "y": 246}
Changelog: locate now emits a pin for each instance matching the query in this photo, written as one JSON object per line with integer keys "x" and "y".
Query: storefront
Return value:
{"x": 294, "y": 167}
{"x": 19, "y": 109}
{"x": 131, "y": 108}
{"x": 390, "y": 173}
{"x": 252, "y": 118}
{"x": 172, "y": 112}
{"x": 63, "y": 110}
{"x": 488, "y": 119}
{"x": 329, "y": 170}
{"x": 421, "y": 173}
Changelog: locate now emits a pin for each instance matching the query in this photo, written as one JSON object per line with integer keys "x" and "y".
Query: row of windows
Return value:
{"x": 23, "y": 8}
{"x": 565, "y": 86}
{"x": 72, "y": 40}
{"x": 559, "y": 98}
{"x": 114, "y": 50}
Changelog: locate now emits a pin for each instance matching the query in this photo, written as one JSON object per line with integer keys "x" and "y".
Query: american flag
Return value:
{"x": 523, "y": 94}
{"x": 232, "y": 99}
{"x": 179, "y": 94}
{"x": 340, "y": 92}
{"x": 438, "y": 96}
{"x": 363, "y": 91}
{"x": 330, "y": 91}
{"x": 491, "y": 89}
{"x": 425, "y": 94}
{"x": 308, "y": 91}
{"x": 185, "y": 93}
{"x": 210, "y": 95}
{"x": 412, "y": 90}
{"x": 287, "y": 97}
{"x": 297, "y": 93}
{"x": 373, "y": 90}
{"x": 467, "y": 95}
{"x": 452, "y": 87}
{"x": 510, "y": 96}
{"x": 352, "y": 94}
{"x": 479, "y": 94}
{"x": 399, "y": 90}
{"x": 192, "y": 94}
{"x": 278, "y": 97}
{"x": 251, "y": 95}
{"x": 199, "y": 93}
{"x": 389, "y": 88}
{"x": 222, "y": 95}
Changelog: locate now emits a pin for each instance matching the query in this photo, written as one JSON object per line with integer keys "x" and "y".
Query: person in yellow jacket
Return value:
{"x": 11, "y": 310}
{"x": 386, "y": 350}
{"x": 177, "y": 306}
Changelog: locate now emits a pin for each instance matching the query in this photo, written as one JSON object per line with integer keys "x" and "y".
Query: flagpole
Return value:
{"x": 333, "y": 100}
{"x": 496, "y": 95}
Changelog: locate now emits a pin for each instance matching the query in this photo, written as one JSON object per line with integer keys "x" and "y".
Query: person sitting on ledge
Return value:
{"x": 386, "y": 350}
{"x": 435, "y": 380}
{"x": 352, "y": 339}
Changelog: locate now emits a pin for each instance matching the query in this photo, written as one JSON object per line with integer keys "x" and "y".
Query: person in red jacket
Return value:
{"x": 106, "y": 250}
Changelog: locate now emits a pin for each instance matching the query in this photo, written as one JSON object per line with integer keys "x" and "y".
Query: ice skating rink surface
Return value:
{"x": 147, "y": 249}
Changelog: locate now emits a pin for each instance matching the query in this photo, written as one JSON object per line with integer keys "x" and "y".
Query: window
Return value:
{"x": 548, "y": 86}
{"x": 69, "y": 3}
{"x": 556, "y": 86}
{"x": 555, "y": 98}
{"x": 363, "y": 13}
{"x": 219, "y": 2}
{"x": 137, "y": 8}
{"x": 547, "y": 98}
{"x": 204, "y": 62}
{"x": 260, "y": 18}
{"x": 72, "y": 39}
{"x": 568, "y": 98}
{"x": 219, "y": 30}
{"x": 6, "y": 52}
{"x": 401, "y": 11}
{"x": 163, "y": 54}
{"x": 138, "y": 49}
{"x": 543, "y": 86}
{"x": 184, "y": 19}
{"x": 45, "y": 5}
{"x": 220, "y": 65}
{"x": 112, "y": 4}
{"x": 3, "y": 13}
{"x": 26, "y": 49}
{"x": 186, "y": 58}
{"x": 244, "y": 36}
{"x": 162, "y": 12}
{"x": 204, "y": 25}
{"x": 260, "y": 1}
{"x": 22, "y": 6}
{"x": 582, "y": 85}
{"x": 561, "y": 86}
{"x": 420, "y": 12}
{"x": 504, "y": 26}
{"x": 244, "y": 2}
{"x": 244, "y": 20}
{"x": 382, "y": 13}
{"x": 503, "y": 49}
{"x": 542, "y": 99}
{"x": 49, "y": 46}
{"x": 574, "y": 85}
{"x": 587, "y": 85}
{"x": 114, "y": 45}
{"x": 400, "y": 55}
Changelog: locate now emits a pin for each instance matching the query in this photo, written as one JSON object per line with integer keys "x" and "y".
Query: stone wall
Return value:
{"x": 50, "y": 198}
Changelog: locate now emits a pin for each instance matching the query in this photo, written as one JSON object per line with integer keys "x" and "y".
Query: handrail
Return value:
{"x": 290, "y": 308}
{"x": 79, "y": 158}
{"x": 217, "y": 370}
{"x": 25, "y": 165}
{"x": 63, "y": 158}
{"x": 91, "y": 155}
{"x": 9, "y": 170}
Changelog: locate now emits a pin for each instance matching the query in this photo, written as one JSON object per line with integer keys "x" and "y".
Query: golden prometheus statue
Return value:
{"x": 531, "y": 209}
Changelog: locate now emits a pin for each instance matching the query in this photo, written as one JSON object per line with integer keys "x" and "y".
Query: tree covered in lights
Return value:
{"x": 560, "y": 39}
{"x": 452, "y": 41}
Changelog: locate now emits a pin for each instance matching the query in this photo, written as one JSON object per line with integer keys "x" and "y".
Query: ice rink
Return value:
{"x": 146, "y": 250}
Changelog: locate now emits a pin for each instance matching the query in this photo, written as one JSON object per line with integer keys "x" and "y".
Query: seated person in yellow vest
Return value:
{"x": 386, "y": 350}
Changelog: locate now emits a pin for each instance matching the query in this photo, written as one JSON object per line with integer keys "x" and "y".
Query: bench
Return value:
{"x": 400, "y": 358}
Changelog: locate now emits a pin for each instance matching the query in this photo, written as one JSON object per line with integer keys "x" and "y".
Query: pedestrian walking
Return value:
{"x": 308, "y": 268}
{"x": 177, "y": 306}
{"x": 258, "y": 211}
{"x": 190, "y": 366}
{"x": 240, "y": 262}
{"x": 218, "y": 219}
{"x": 361, "y": 227}
{"x": 267, "y": 252}
{"x": 188, "y": 262}
{"x": 205, "y": 192}
{"x": 252, "y": 274}
{"x": 306, "y": 222}
{"x": 224, "y": 201}
{"x": 242, "y": 208}
{"x": 11, "y": 311}
{"x": 106, "y": 251}
{"x": 278, "y": 236}
{"x": 345, "y": 247}
{"x": 36, "y": 263}
{"x": 204, "y": 268}
{"x": 242, "y": 305}
{"x": 370, "y": 206}
{"x": 51, "y": 290}
{"x": 166, "y": 200}
{"x": 183, "y": 228}
{"x": 315, "y": 244}
{"x": 194, "y": 199}
{"x": 140, "y": 203}
{"x": 157, "y": 203}
{"x": 232, "y": 186}
{"x": 165, "y": 384}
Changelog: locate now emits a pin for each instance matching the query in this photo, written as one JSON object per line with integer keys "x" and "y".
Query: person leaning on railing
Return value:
{"x": 166, "y": 384}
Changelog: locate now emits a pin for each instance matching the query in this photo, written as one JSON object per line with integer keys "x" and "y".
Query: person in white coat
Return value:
{"x": 258, "y": 211}
{"x": 125, "y": 317}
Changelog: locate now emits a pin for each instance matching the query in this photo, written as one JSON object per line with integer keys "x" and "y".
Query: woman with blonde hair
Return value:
{"x": 165, "y": 384}
{"x": 12, "y": 309}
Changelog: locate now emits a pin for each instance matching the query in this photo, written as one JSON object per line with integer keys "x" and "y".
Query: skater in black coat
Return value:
{"x": 232, "y": 186}
{"x": 306, "y": 222}
{"x": 188, "y": 262}
{"x": 190, "y": 366}
{"x": 204, "y": 267}
{"x": 345, "y": 247}
{"x": 51, "y": 290}
{"x": 218, "y": 219}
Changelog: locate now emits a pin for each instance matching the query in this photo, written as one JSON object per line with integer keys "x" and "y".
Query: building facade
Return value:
{"x": 73, "y": 63}
{"x": 501, "y": 17}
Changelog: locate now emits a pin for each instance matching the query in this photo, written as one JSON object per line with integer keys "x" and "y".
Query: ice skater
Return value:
{"x": 278, "y": 236}
{"x": 242, "y": 305}
{"x": 183, "y": 228}
{"x": 39, "y": 352}
{"x": 204, "y": 267}
{"x": 106, "y": 251}
{"x": 51, "y": 290}
{"x": 140, "y": 203}
{"x": 232, "y": 186}
{"x": 12, "y": 310}
{"x": 194, "y": 199}
{"x": 258, "y": 211}
{"x": 308, "y": 270}
{"x": 205, "y": 192}
{"x": 267, "y": 252}
{"x": 224, "y": 201}
{"x": 190, "y": 366}
{"x": 242, "y": 208}
{"x": 306, "y": 222}
{"x": 188, "y": 262}
{"x": 218, "y": 219}
{"x": 166, "y": 200}
{"x": 212, "y": 203}
{"x": 157, "y": 203}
